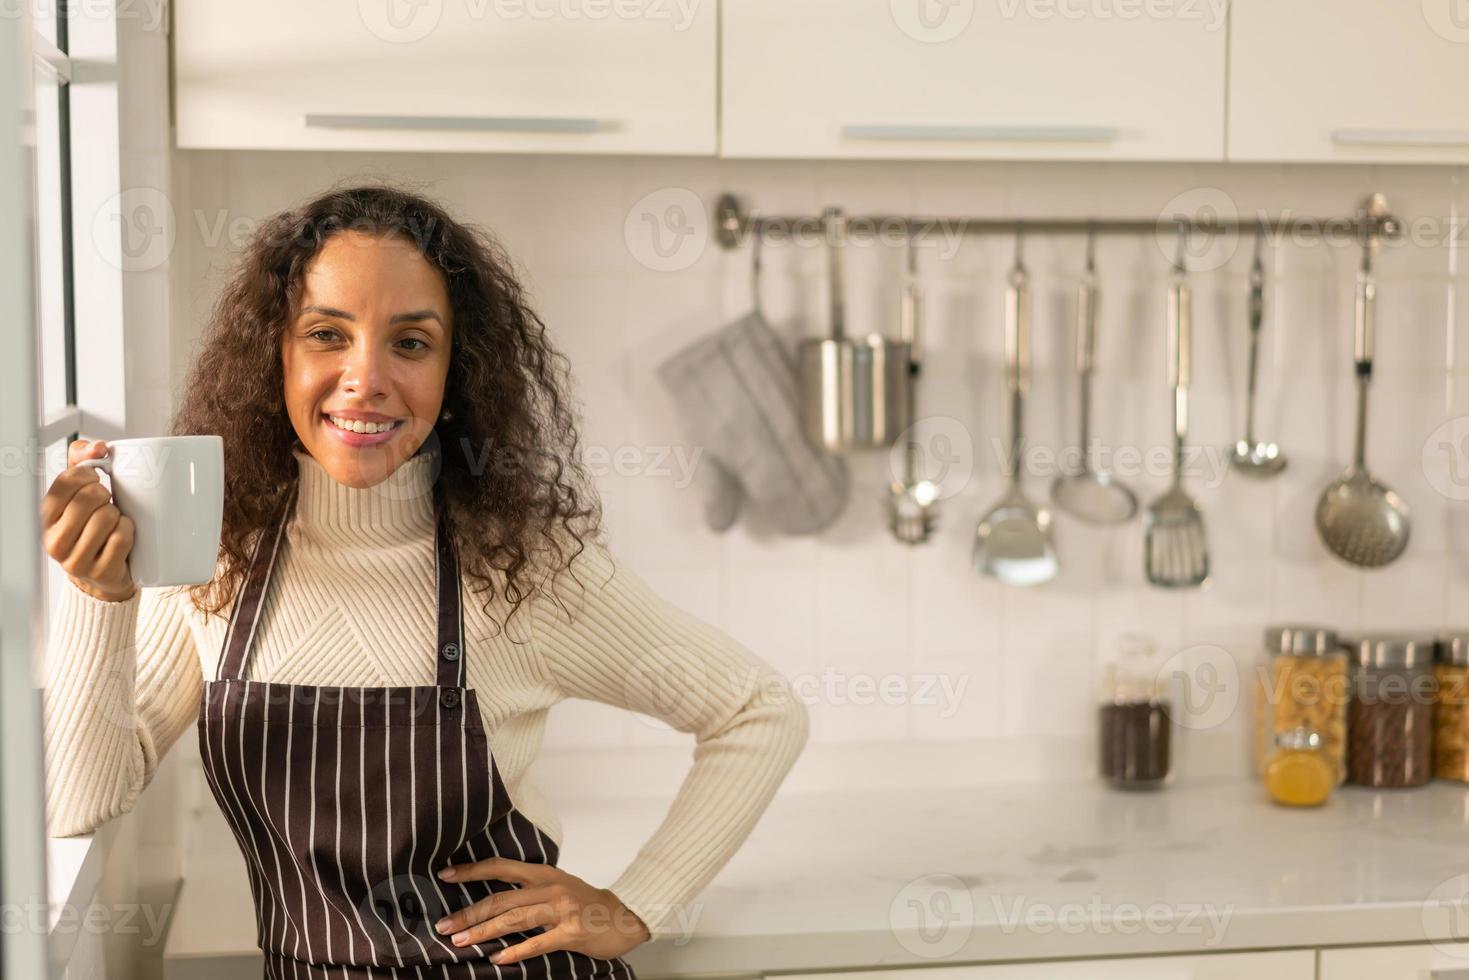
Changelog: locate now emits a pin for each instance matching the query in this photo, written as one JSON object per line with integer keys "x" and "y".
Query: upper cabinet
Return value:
{"x": 483, "y": 75}
{"x": 974, "y": 79}
{"x": 1327, "y": 80}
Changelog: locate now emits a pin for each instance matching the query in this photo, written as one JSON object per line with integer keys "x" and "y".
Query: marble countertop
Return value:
{"x": 846, "y": 879}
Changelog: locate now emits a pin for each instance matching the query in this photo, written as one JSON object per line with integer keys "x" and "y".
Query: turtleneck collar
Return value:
{"x": 396, "y": 509}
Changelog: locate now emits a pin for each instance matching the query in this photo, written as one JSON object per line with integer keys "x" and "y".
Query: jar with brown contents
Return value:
{"x": 1302, "y": 681}
{"x": 1133, "y": 719}
{"x": 1390, "y": 722}
{"x": 1451, "y": 710}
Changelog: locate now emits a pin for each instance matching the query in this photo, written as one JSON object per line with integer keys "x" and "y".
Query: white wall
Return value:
{"x": 851, "y": 600}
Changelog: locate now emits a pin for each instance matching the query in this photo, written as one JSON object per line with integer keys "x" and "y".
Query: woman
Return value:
{"x": 394, "y": 417}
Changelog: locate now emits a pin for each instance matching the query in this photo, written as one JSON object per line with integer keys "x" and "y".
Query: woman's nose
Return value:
{"x": 365, "y": 372}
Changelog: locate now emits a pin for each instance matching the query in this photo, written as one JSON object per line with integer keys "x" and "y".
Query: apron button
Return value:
{"x": 449, "y": 698}
{"x": 451, "y": 651}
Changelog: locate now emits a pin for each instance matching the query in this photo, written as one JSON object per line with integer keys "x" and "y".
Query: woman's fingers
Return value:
{"x": 513, "y": 920}
{"x": 538, "y": 945}
{"x": 501, "y": 869}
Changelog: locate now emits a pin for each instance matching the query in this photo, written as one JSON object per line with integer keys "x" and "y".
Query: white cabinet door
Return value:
{"x": 1378, "y": 81}
{"x": 542, "y": 76}
{"x": 974, "y": 79}
{"x": 1448, "y": 961}
{"x": 1286, "y": 965}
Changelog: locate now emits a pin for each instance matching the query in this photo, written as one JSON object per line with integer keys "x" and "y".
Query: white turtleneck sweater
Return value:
{"x": 352, "y": 603}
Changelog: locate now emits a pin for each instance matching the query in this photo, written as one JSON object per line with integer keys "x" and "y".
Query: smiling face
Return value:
{"x": 367, "y": 355}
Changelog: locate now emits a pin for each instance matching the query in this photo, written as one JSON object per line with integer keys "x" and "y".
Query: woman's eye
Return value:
{"x": 415, "y": 340}
{"x": 322, "y": 330}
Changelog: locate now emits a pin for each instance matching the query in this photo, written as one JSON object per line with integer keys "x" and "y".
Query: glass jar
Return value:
{"x": 1390, "y": 721}
{"x": 1133, "y": 718}
{"x": 1451, "y": 709}
{"x": 1301, "y": 681}
{"x": 1299, "y": 772}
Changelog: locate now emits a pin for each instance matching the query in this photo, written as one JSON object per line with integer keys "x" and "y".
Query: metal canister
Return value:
{"x": 1390, "y": 721}
{"x": 1451, "y": 707}
{"x": 854, "y": 391}
{"x": 1302, "y": 681}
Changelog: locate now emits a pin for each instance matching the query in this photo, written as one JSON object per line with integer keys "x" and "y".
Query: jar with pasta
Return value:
{"x": 1302, "y": 682}
{"x": 1451, "y": 710}
{"x": 1390, "y": 724}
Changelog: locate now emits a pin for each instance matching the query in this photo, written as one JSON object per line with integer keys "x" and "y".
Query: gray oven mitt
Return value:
{"x": 738, "y": 396}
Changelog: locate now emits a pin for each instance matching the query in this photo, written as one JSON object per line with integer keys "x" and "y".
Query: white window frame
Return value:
{"x": 119, "y": 330}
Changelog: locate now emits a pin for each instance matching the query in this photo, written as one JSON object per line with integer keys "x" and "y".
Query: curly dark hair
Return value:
{"x": 515, "y": 523}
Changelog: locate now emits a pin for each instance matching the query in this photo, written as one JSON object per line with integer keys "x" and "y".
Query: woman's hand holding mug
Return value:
{"x": 82, "y": 529}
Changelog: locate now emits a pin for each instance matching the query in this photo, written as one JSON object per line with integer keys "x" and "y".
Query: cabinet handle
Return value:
{"x": 992, "y": 134}
{"x": 1401, "y": 137}
{"x": 483, "y": 124}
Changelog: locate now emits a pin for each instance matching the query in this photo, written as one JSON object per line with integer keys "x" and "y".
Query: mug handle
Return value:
{"x": 101, "y": 462}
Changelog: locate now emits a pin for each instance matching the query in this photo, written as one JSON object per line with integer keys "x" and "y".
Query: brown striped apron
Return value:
{"x": 346, "y": 801}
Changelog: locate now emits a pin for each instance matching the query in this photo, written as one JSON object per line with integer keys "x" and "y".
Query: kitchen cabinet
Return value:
{"x": 483, "y": 75}
{"x": 1444, "y": 961}
{"x": 1321, "y": 80}
{"x": 1299, "y": 964}
{"x": 1013, "y": 79}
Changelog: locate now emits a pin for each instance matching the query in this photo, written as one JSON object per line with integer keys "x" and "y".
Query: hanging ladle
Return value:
{"x": 912, "y": 501}
{"x": 1093, "y": 495}
{"x": 1251, "y": 458}
{"x": 1013, "y": 540}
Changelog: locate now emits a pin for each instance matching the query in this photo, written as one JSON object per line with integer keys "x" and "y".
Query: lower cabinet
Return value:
{"x": 1435, "y": 961}
{"x": 1298, "y": 964}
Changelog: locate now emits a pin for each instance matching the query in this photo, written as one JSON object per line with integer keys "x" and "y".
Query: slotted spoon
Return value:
{"x": 1358, "y": 519}
{"x": 1175, "y": 549}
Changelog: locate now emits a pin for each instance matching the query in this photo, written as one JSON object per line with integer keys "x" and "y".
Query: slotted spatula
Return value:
{"x": 1175, "y": 549}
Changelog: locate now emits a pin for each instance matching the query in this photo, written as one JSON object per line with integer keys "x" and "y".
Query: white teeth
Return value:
{"x": 357, "y": 425}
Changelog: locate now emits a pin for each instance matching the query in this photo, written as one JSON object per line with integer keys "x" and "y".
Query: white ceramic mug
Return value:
{"x": 172, "y": 488}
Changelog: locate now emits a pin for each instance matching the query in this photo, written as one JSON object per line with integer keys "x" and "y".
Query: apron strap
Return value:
{"x": 240, "y": 637}
{"x": 449, "y": 654}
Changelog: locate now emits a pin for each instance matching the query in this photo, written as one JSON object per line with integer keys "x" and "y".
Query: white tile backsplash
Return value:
{"x": 850, "y": 602}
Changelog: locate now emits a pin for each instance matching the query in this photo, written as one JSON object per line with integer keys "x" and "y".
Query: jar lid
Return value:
{"x": 1453, "y": 648}
{"x": 1298, "y": 738}
{"x": 1300, "y": 641}
{"x": 1392, "y": 650}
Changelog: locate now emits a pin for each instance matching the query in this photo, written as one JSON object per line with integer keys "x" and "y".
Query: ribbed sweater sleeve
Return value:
{"x": 122, "y": 684}
{"x": 611, "y": 639}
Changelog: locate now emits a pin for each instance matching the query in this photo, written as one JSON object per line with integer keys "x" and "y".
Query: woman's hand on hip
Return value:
{"x": 577, "y": 916}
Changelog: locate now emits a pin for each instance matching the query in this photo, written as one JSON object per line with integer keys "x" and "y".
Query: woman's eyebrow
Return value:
{"x": 397, "y": 317}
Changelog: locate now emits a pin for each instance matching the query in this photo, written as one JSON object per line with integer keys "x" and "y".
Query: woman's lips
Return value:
{"x": 358, "y": 439}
